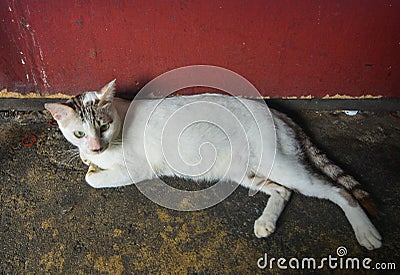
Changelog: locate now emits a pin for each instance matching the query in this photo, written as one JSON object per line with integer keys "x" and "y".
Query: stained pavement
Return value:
{"x": 52, "y": 221}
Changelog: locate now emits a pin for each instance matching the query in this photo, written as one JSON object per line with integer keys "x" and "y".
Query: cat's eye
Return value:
{"x": 79, "y": 134}
{"x": 104, "y": 127}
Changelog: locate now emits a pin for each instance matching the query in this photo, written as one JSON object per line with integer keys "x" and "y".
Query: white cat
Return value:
{"x": 93, "y": 122}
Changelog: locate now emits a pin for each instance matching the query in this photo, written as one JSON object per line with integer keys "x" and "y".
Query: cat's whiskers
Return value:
{"x": 73, "y": 157}
{"x": 74, "y": 150}
{"x": 72, "y": 154}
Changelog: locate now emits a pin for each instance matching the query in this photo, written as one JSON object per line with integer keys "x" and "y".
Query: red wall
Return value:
{"x": 285, "y": 48}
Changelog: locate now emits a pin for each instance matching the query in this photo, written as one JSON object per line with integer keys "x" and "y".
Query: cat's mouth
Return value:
{"x": 99, "y": 151}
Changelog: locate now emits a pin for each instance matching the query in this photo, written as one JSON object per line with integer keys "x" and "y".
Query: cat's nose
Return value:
{"x": 95, "y": 145}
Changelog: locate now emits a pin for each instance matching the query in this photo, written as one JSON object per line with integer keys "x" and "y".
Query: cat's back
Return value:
{"x": 200, "y": 130}
{"x": 213, "y": 108}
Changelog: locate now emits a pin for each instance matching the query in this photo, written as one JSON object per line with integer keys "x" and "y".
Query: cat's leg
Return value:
{"x": 366, "y": 233}
{"x": 293, "y": 174}
{"x": 265, "y": 225}
{"x": 98, "y": 178}
{"x": 279, "y": 196}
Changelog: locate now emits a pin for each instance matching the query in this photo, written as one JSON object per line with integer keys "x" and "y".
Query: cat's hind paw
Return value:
{"x": 368, "y": 237}
{"x": 263, "y": 228}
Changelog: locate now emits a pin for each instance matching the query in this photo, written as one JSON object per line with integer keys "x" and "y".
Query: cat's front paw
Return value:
{"x": 263, "y": 228}
{"x": 92, "y": 176}
{"x": 84, "y": 160}
{"x": 93, "y": 169}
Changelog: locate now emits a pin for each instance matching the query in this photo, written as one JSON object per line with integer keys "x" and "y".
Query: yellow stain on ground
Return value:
{"x": 53, "y": 261}
{"x": 165, "y": 218}
{"x": 179, "y": 251}
{"x": 117, "y": 233}
{"x": 110, "y": 265}
{"x": 49, "y": 223}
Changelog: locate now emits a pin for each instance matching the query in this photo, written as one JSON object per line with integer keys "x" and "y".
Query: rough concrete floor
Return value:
{"x": 51, "y": 221}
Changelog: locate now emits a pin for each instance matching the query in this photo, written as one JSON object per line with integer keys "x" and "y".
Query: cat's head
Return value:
{"x": 89, "y": 120}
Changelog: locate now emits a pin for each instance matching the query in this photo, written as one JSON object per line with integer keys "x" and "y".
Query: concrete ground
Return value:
{"x": 52, "y": 221}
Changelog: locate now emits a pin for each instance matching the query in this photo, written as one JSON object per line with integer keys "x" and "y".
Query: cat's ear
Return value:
{"x": 59, "y": 111}
{"x": 106, "y": 94}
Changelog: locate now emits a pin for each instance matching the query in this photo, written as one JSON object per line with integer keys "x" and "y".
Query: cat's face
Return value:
{"x": 89, "y": 120}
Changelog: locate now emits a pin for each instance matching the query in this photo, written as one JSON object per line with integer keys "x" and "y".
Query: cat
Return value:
{"x": 93, "y": 122}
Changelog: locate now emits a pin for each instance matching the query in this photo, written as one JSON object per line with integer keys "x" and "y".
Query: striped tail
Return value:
{"x": 321, "y": 162}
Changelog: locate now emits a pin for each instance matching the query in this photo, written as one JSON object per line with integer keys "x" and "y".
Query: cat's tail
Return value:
{"x": 322, "y": 163}
{"x": 335, "y": 173}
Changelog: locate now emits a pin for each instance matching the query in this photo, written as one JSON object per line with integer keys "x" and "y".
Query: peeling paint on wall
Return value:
{"x": 5, "y": 94}
{"x": 339, "y": 96}
{"x": 27, "y": 45}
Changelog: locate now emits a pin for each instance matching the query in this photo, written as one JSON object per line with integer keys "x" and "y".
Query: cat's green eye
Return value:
{"x": 79, "y": 134}
{"x": 104, "y": 127}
